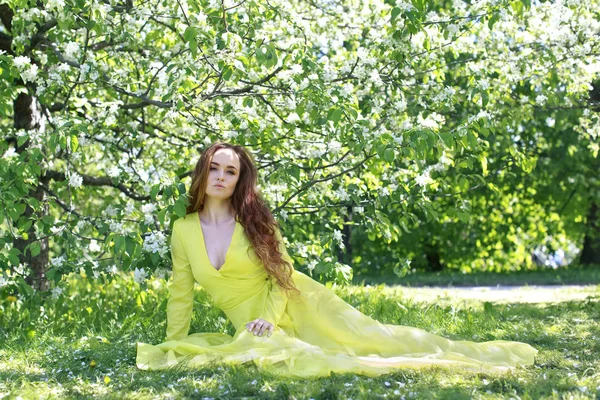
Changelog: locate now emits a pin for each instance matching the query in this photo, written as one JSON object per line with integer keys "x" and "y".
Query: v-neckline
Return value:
{"x": 199, "y": 224}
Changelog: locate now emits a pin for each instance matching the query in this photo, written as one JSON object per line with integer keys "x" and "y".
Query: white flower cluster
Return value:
{"x": 283, "y": 214}
{"x": 58, "y": 261}
{"x": 57, "y": 291}
{"x": 57, "y": 5}
{"x": 423, "y": 179}
{"x": 94, "y": 247}
{"x": 139, "y": 275}
{"x": 339, "y": 237}
{"x": 10, "y": 153}
{"x": 155, "y": 242}
{"x": 342, "y": 194}
{"x": 149, "y": 210}
{"x": 27, "y": 70}
{"x": 72, "y": 50}
{"x": 75, "y": 180}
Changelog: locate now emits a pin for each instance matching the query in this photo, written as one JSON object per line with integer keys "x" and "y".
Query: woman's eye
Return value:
{"x": 213, "y": 168}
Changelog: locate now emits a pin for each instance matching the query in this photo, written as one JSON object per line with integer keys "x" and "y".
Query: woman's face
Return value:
{"x": 223, "y": 174}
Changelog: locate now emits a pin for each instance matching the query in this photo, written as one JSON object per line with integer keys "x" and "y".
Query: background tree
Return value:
{"x": 387, "y": 115}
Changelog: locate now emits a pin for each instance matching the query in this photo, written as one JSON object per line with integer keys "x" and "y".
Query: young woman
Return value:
{"x": 285, "y": 322}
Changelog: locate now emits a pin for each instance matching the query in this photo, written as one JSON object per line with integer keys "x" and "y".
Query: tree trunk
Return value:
{"x": 591, "y": 242}
{"x": 433, "y": 258}
{"x": 346, "y": 257}
{"x": 28, "y": 116}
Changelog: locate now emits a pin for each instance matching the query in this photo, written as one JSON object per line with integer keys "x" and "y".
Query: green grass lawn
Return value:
{"x": 574, "y": 275}
{"x": 82, "y": 345}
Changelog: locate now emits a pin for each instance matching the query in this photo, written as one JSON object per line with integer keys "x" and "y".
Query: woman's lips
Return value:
{"x": 219, "y": 186}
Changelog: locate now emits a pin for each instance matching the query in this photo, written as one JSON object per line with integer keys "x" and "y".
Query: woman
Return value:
{"x": 285, "y": 322}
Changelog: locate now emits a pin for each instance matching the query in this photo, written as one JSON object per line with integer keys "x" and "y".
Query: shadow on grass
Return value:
{"x": 565, "y": 333}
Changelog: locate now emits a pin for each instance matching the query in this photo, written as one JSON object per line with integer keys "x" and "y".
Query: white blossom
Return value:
{"x": 113, "y": 171}
{"x": 342, "y": 194}
{"x": 72, "y": 50}
{"x": 112, "y": 269}
{"x": 57, "y": 291}
{"x": 283, "y": 214}
{"x": 94, "y": 246}
{"x": 541, "y": 99}
{"x": 337, "y": 235}
{"x": 149, "y": 208}
{"x": 55, "y": 5}
{"x": 139, "y": 275}
{"x": 30, "y": 74}
{"x": 10, "y": 153}
{"x": 21, "y": 61}
{"x": 57, "y": 229}
{"x": 297, "y": 69}
{"x": 58, "y": 261}
{"x": 334, "y": 146}
{"x": 75, "y": 180}
{"x": 155, "y": 242}
{"x": 423, "y": 179}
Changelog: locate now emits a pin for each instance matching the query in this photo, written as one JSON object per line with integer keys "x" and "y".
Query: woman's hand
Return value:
{"x": 259, "y": 326}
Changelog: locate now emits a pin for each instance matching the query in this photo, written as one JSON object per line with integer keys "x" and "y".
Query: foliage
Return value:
{"x": 439, "y": 127}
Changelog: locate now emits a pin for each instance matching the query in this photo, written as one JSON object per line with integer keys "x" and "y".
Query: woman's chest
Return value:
{"x": 217, "y": 242}
{"x": 235, "y": 259}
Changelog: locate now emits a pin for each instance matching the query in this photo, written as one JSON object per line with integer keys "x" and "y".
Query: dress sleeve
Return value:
{"x": 276, "y": 297}
{"x": 181, "y": 291}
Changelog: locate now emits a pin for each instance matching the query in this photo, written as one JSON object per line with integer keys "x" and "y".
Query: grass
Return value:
{"x": 82, "y": 345}
{"x": 574, "y": 275}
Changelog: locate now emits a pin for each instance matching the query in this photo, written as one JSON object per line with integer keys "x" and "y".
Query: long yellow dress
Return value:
{"x": 314, "y": 334}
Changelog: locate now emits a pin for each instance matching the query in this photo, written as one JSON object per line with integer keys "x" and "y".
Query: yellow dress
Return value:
{"x": 314, "y": 334}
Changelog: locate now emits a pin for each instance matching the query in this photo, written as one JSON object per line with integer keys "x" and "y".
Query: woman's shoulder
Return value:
{"x": 185, "y": 222}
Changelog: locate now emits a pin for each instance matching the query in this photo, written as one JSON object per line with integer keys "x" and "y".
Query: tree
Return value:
{"x": 360, "y": 106}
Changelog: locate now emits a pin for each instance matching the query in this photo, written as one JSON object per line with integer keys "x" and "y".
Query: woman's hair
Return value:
{"x": 251, "y": 210}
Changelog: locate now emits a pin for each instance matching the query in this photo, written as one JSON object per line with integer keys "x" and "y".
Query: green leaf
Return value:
{"x": 485, "y": 98}
{"x": 395, "y": 12}
{"x": 179, "y": 208}
{"x": 181, "y": 188}
{"x": 295, "y": 172}
{"x": 484, "y": 164}
{"x": 227, "y": 72}
{"x": 22, "y": 139}
{"x": 130, "y": 245}
{"x": 189, "y": 34}
{"x": 335, "y": 114}
{"x": 74, "y": 143}
{"x": 34, "y": 248}
{"x": 119, "y": 244}
{"x": 194, "y": 47}
{"x": 493, "y": 20}
{"x": 388, "y": 155}
{"x": 448, "y": 138}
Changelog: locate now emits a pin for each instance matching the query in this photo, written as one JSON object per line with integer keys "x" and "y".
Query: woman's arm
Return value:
{"x": 181, "y": 290}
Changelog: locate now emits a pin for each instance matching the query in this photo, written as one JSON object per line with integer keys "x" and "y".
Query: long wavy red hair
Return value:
{"x": 251, "y": 211}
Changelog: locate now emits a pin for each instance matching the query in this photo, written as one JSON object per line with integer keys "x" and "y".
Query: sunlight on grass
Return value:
{"x": 82, "y": 344}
